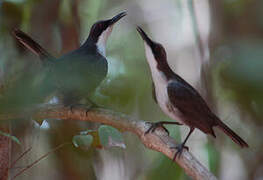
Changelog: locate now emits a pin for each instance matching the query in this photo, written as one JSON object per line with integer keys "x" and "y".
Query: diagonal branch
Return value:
{"x": 158, "y": 141}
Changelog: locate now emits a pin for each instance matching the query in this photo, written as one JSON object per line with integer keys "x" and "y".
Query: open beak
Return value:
{"x": 144, "y": 36}
{"x": 117, "y": 17}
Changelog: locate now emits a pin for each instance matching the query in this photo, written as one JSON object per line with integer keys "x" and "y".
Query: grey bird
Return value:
{"x": 76, "y": 74}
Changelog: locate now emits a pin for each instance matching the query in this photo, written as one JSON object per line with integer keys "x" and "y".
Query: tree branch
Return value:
{"x": 158, "y": 141}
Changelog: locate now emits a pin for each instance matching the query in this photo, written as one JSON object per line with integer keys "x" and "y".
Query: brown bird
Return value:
{"x": 178, "y": 99}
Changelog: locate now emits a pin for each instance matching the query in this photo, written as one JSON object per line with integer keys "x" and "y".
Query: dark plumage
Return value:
{"x": 178, "y": 99}
{"x": 32, "y": 45}
{"x": 75, "y": 75}
{"x": 78, "y": 73}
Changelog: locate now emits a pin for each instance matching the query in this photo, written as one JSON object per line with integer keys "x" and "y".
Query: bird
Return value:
{"x": 32, "y": 45}
{"x": 76, "y": 74}
{"x": 178, "y": 99}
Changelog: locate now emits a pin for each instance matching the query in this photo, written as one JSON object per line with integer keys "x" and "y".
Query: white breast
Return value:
{"x": 160, "y": 83}
{"x": 102, "y": 41}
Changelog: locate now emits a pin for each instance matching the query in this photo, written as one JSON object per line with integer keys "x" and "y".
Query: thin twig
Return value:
{"x": 158, "y": 141}
{"x": 22, "y": 155}
{"x": 39, "y": 159}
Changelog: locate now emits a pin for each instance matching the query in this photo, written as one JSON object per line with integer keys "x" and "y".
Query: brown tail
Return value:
{"x": 238, "y": 140}
{"x": 32, "y": 45}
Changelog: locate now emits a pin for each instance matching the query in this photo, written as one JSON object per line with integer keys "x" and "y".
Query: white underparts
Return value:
{"x": 160, "y": 84}
{"x": 159, "y": 79}
{"x": 102, "y": 41}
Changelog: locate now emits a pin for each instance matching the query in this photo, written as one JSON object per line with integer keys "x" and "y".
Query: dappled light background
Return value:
{"x": 217, "y": 46}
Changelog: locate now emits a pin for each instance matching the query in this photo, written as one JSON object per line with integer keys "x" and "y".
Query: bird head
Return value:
{"x": 101, "y": 30}
{"x": 155, "y": 52}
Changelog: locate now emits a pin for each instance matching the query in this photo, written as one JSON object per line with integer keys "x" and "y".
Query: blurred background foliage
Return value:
{"x": 215, "y": 45}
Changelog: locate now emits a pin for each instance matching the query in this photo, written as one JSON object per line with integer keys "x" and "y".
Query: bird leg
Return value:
{"x": 182, "y": 146}
{"x": 88, "y": 107}
{"x": 155, "y": 125}
{"x": 92, "y": 104}
{"x": 72, "y": 106}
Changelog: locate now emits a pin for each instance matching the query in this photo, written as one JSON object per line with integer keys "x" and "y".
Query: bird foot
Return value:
{"x": 154, "y": 126}
{"x": 93, "y": 104}
{"x": 179, "y": 151}
{"x": 87, "y": 108}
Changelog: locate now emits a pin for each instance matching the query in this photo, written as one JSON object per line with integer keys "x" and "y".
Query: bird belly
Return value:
{"x": 164, "y": 103}
{"x": 79, "y": 76}
{"x": 172, "y": 112}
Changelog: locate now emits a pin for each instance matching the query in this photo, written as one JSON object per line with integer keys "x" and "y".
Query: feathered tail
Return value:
{"x": 32, "y": 45}
{"x": 237, "y": 139}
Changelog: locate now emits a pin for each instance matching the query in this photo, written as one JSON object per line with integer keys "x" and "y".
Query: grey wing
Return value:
{"x": 82, "y": 72}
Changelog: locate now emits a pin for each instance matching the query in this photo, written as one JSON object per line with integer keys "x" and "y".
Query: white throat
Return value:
{"x": 160, "y": 84}
{"x": 102, "y": 41}
{"x": 157, "y": 75}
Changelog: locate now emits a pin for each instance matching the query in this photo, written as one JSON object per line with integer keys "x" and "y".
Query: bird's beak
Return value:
{"x": 144, "y": 36}
{"x": 117, "y": 17}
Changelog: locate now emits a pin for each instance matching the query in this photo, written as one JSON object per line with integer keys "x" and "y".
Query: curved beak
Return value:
{"x": 117, "y": 17}
{"x": 144, "y": 36}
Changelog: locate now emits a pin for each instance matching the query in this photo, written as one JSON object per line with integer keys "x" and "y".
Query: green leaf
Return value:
{"x": 15, "y": 139}
{"x": 82, "y": 141}
{"x": 110, "y": 137}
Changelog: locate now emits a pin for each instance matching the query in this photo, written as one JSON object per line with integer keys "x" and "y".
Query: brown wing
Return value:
{"x": 194, "y": 109}
{"x": 153, "y": 93}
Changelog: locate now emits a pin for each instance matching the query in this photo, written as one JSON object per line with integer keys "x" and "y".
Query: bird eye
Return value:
{"x": 157, "y": 48}
{"x": 101, "y": 26}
